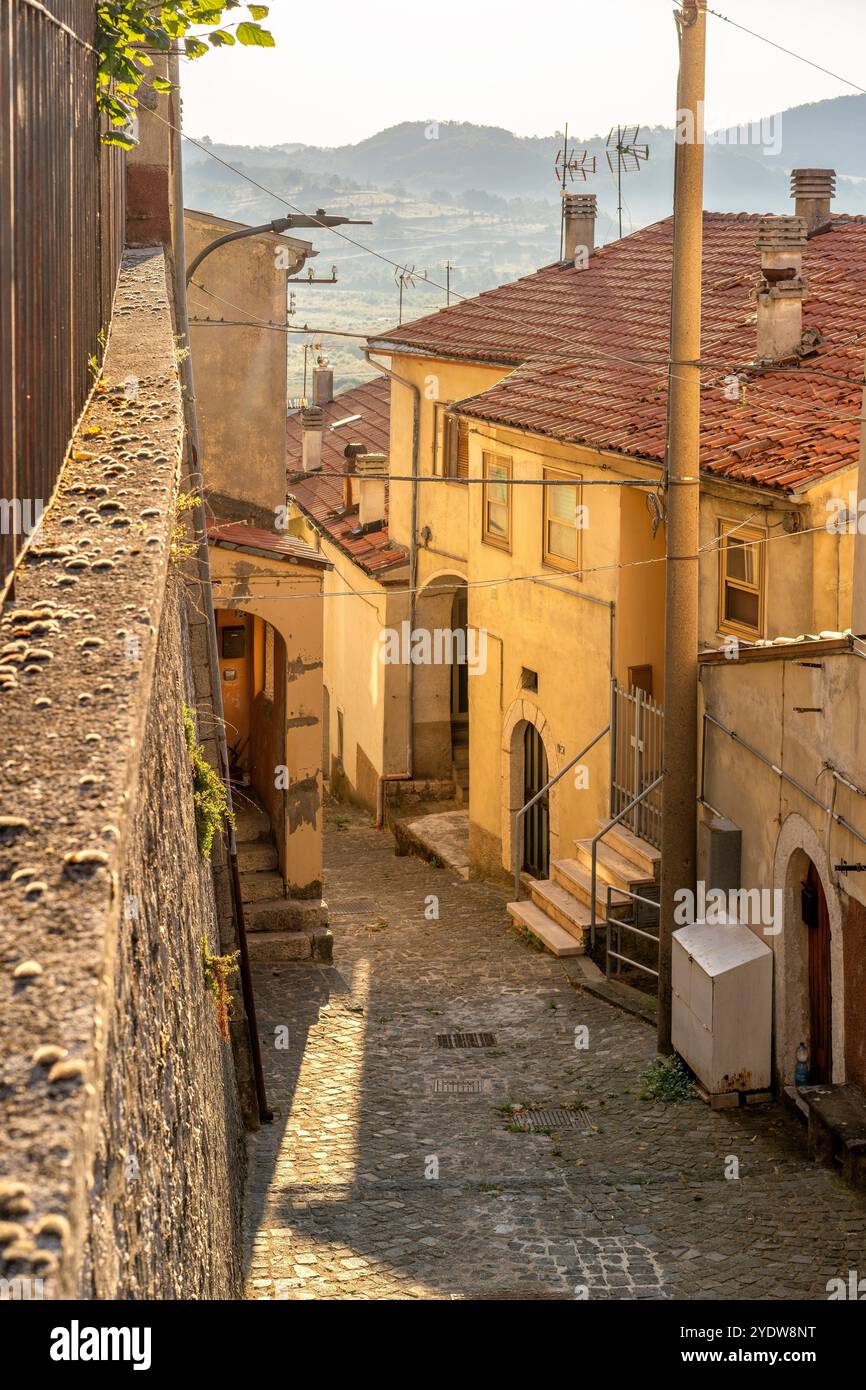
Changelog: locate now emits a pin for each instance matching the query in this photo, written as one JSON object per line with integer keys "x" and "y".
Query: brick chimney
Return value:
{"x": 812, "y": 190}
{"x": 579, "y": 210}
{"x": 312, "y": 419}
{"x": 371, "y": 500}
{"x": 780, "y": 294}
{"x": 323, "y": 384}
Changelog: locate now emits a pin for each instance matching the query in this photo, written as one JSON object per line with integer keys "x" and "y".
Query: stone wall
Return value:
{"x": 166, "y": 1192}
{"x": 120, "y": 1110}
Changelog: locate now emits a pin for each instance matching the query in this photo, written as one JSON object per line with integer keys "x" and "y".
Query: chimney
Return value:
{"x": 312, "y": 419}
{"x": 579, "y": 211}
{"x": 812, "y": 190}
{"x": 323, "y": 385}
{"x": 371, "y": 508}
{"x": 780, "y": 294}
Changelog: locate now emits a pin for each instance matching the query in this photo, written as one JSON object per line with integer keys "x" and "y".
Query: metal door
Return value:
{"x": 536, "y": 822}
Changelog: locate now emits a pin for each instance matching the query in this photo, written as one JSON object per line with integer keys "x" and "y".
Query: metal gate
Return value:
{"x": 636, "y": 724}
{"x": 536, "y": 833}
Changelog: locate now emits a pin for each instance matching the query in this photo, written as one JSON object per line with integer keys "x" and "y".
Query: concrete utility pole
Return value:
{"x": 682, "y": 495}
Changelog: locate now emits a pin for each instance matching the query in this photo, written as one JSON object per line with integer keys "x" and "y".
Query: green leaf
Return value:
{"x": 219, "y": 38}
{"x": 162, "y": 84}
{"x": 254, "y": 34}
{"x": 195, "y": 48}
{"x": 258, "y": 11}
{"x": 116, "y": 137}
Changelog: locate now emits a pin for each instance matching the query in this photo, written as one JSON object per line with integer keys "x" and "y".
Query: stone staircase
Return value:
{"x": 278, "y": 928}
{"x": 558, "y": 911}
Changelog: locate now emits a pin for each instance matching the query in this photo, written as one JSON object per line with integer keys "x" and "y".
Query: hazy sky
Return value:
{"x": 343, "y": 69}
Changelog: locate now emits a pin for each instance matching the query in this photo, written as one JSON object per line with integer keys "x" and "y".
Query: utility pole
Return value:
{"x": 682, "y": 496}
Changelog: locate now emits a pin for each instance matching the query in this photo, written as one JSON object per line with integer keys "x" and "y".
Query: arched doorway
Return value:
{"x": 536, "y": 822}
{"x": 816, "y": 918}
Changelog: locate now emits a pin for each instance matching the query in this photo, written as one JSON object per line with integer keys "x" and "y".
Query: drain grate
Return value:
{"x": 453, "y": 1040}
{"x": 553, "y": 1119}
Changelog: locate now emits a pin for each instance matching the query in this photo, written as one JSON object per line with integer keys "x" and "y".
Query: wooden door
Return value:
{"x": 536, "y": 830}
{"x": 820, "y": 1009}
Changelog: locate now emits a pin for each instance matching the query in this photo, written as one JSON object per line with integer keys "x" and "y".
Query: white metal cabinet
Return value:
{"x": 722, "y": 1009}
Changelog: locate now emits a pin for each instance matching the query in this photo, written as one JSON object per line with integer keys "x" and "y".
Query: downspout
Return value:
{"x": 413, "y": 578}
{"x": 203, "y": 558}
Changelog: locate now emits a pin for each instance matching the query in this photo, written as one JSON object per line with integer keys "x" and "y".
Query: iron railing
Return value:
{"x": 516, "y": 838}
{"x": 600, "y": 834}
{"x": 61, "y": 237}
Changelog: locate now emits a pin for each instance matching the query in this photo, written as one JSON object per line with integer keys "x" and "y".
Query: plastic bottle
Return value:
{"x": 801, "y": 1071}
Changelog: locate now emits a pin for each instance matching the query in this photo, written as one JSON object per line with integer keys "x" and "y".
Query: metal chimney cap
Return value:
{"x": 312, "y": 417}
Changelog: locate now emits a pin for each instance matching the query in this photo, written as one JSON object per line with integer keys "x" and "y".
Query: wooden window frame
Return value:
{"x": 488, "y": 537}
{"x": 456, "y": 469}
{"x": 549, "y": 559}
{"x": 748, "y": 533}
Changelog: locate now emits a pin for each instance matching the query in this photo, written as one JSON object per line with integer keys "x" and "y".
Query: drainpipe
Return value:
{"x": 204, "y": 574}
{"x": 413, "y": 577}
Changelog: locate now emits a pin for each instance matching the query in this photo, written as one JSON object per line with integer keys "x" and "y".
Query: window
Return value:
{"x": 741, "y": 578}
{"x": 496, "y": 520}
{"x": 450, "y": 444}
{"x": 561, "y": 529}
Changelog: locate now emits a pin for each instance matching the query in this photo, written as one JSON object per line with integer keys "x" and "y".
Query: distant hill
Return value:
{"x": 487, "y": 199}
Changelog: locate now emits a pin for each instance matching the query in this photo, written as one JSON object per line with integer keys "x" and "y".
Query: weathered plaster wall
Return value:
{"x": 249, "y": 276}
{"x": 95, "y": 801}
{"x": 803, "y": 713}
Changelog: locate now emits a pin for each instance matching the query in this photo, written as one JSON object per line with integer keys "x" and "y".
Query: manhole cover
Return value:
{"x": 552, "y": 1119}
{"x": 452, "y": 1040}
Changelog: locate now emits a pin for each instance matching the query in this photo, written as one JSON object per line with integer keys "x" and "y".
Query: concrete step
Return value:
{"x": 573, "y": 916}
{"x": 550, "y": 933}
{"x": 261, "y": 886}
{"x": 276, "y": 947}
{"x": 611, "y": 866}
{"x": 252, "y": 823}
{"x": 256, "y": 854}
{"x": 573, "y": 876}
{"x": 632, "y": 847}
{"x": 285, "y": 915}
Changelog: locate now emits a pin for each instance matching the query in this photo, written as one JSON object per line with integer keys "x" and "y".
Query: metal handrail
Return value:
{"x": 628, "y": 926}
{"x": 605, "y": 828}
{"x": 515, "y": 839}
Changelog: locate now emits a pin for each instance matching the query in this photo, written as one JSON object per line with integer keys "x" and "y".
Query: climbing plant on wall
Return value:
{"x": 129, "y": 31}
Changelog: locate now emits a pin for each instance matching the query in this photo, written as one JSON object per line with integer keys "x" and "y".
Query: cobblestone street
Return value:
{"x": 343, "y": 1198}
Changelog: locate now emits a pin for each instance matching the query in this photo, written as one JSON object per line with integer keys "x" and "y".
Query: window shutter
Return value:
{"x": 462, "y": 449}
{"x": 451, "y": 449}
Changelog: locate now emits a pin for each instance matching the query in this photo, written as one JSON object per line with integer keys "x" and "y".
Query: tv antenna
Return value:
{"x": 405, "y": 276}
{"x": 624, "y": 156}
{"x": 570, "y": 164}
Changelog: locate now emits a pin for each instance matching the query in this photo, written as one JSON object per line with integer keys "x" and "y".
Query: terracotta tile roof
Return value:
{"x": 236, "y": 535}
{"x": 320, "y": 495}
{"x": 568, "y": 332}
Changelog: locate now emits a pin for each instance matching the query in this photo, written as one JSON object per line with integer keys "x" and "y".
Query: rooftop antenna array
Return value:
{"x": 570, "y": 164}
{"x": 405, "y": 276}
{"x": 624, "y": 156}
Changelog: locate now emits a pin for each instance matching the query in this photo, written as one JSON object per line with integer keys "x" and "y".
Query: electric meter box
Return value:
{"x": 722, "y": 1006}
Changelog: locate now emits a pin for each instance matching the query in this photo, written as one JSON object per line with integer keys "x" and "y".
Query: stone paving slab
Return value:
{"x": 391, "y": 1172}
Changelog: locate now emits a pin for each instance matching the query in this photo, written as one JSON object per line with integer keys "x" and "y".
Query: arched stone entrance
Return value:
{"x": 523, "y": 713}
{"x": 800, "y": 862}
{"x": 441, "y": 721}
